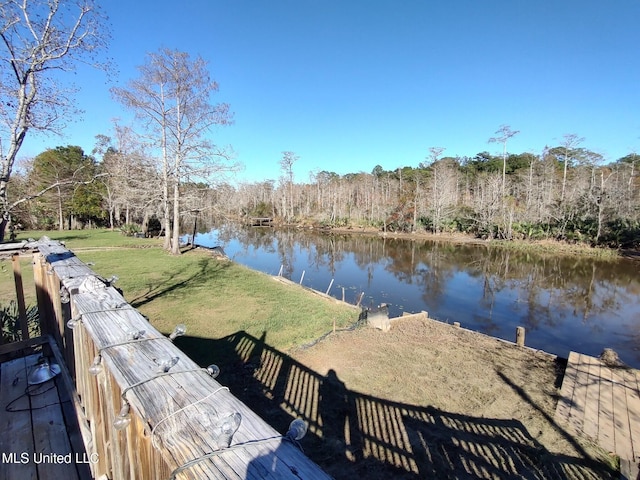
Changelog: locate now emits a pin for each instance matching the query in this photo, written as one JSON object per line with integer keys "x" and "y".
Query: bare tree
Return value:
{"x": 504, "y": 134}
{"x": 569, "y": 144}
{"x": 286, "y": 164}
{"x": 37, "y": 40}
{"x": 172, "y": 97}
{"x": 132, "y": 184}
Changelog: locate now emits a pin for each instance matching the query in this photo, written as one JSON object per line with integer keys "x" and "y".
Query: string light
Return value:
{"x": 165, "y": 364}
{"x": 296, "y": 432}
{"x": 96, "y": 367}
{"x": 178, "y": 331}
{"x": 211, "y": 370}
{"x": 64, "y": 295}
{"x": 155, "y": 427}
{"x": 123, "y": 419}
{"x": 73, "y": 323}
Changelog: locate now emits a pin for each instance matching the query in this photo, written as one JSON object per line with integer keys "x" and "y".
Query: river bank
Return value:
{"x": 536, "y": 246}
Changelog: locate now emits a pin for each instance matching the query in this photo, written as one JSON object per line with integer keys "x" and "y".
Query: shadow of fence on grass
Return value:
{"x": 353, "y": 434}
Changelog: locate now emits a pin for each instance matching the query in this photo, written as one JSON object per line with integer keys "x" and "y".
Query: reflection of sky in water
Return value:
{"x": 557, "y": 320}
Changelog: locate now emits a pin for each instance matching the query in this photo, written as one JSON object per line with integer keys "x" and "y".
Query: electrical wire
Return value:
{"x": 153, "y": 430}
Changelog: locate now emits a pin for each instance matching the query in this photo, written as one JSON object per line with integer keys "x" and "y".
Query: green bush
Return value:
{"x": 10, "y": 322}
{"x": 130, "y": 229}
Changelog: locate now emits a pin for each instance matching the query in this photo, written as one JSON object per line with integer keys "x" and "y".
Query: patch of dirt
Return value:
{"x": 429, "y": 400}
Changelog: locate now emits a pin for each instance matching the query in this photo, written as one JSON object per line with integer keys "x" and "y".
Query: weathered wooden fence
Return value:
{"x": 146, "y": 410}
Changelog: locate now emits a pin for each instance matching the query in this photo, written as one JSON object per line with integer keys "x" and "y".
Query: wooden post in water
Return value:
{"x": 22, "y": 309}
{"x": 360, "y": 299}
{"x": 302, "y": 277}
{"x": 520, "y": 336}
{"x": 195, "y": 229}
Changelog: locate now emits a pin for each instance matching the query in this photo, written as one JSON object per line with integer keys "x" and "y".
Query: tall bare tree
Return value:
{"x": 37, "y": 41}
{"x": 504, "y": 133}
{"x": 286, "y": 164}
{"x": 172, "y": 96}
{"x": 569, "y": 144}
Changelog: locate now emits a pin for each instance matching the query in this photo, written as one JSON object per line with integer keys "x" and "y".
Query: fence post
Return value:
{"x": 22, "y": 309}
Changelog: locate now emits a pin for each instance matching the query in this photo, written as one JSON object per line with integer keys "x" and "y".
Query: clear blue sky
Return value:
{"x": 349, "y": 84}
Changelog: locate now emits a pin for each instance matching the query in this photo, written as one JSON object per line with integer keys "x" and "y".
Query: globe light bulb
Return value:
{"x": 213, "y": 370}
{"x": 123, "y": 419}
{"x": 96, "y": 367}
{"x": 297, "y": 429}
{"x": 178, "y": 331}
{"x": 73, "y": 323}
{"x": 225, "y": 428}
{"x": 165, "y": 364}
{"x": 64, "y": 295}
{"x": 134, "y": 335}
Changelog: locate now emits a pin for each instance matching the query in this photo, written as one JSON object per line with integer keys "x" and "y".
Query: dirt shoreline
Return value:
{"x": 541, "y": 246}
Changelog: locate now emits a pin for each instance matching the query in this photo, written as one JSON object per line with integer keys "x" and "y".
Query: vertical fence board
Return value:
{"x": 22, "y": 309}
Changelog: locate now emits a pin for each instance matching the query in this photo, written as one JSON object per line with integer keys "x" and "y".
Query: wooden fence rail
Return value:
{"x": 179, "y": 414}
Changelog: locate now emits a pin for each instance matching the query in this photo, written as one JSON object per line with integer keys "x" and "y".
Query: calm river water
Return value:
{"x": 565, "y": 303}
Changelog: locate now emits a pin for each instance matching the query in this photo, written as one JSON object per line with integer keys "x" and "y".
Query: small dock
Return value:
{"x": 603, "y": 404}
{"x": 261, "y": 221}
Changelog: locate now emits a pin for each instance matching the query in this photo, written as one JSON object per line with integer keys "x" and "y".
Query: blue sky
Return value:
{"x": 350, "y": 84}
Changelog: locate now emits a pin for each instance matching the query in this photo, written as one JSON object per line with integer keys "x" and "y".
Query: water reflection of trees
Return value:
{"x": 547, "y": 289}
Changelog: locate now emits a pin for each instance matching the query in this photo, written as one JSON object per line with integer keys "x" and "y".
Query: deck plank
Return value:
{"x": 15, "y": 427}
{"x": 563, "y": 409}
{"x": 605, "y": 412}
{"x": 50, "y": 432}
{"x": 621, "y": 417}
{"x": 578, "y": 404}
{"x": 590, "y": 428}
{"x": 633, "y": 406}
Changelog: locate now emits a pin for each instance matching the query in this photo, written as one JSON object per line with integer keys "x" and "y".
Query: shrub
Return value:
{"x": 130, "y": 229}
{"x": 10, "y": 322}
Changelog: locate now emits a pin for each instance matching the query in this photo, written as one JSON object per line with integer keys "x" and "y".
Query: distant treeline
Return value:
{"x": 566, "y": 193}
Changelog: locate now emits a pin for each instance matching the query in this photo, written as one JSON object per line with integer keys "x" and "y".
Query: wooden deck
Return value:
{"x": 603, "y": 404}
{"x": 39, "y": 438}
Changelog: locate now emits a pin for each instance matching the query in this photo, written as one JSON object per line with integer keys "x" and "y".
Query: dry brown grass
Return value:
{"x": 457, "y": 404}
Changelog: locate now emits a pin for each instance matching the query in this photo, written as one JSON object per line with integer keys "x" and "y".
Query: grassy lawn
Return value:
{"x": 214, "y": 298}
